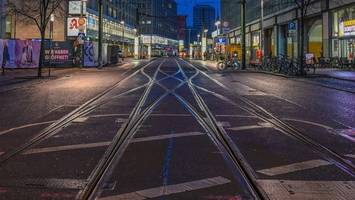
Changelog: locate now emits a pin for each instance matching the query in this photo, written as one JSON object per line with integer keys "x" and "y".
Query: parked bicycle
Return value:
{"x": 232, "y": 63}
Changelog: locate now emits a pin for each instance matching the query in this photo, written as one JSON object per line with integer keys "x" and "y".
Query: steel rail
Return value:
{"x": 121, "y": 141}
{"x": 219, "y": 136}
{"x": 54, "y": 128}
{"x": 323, "y": 151}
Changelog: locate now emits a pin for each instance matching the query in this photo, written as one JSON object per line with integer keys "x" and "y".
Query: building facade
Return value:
{"x": 115, "y": 11}
{"x": 329, "y": 28}
{"x": 158, "y": 25}
{"x": 204, "y": 18}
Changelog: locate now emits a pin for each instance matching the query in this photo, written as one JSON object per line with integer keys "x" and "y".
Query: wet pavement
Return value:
{"x": 167, "y": 129}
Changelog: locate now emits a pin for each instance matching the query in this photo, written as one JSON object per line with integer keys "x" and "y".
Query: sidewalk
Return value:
{"x": 347, "y": 75}
{"x": 15, "y": 78}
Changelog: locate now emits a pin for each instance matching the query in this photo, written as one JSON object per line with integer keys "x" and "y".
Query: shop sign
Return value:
{"x": 75, "y": 7}
{"x": 222, "y": 40}
{"x": 74, "y": 26}
{"x": 347, "y": 28}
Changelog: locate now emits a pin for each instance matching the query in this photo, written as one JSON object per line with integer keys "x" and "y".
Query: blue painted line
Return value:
{"x": 167, "y": 160}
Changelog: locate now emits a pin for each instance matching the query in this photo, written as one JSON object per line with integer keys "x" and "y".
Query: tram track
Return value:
{"x": 220, "y": 138}
{"x": 287, "y": 129}
{"x": 84, "y": 109}
{"x": 124, "y": 136}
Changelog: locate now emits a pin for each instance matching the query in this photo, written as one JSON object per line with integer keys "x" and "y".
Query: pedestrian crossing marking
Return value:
{"x": 308, "y": 190}
{"x": 294, "y": 167}
{"x": 104, "y": 144}
{"x": 300, "y": 166}
{"x": 167, "y": 136}
{"x": 170, "y": 189}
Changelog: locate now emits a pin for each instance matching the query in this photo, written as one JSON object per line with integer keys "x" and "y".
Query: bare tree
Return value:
{"x": 302, "y": 6}
{"x": 38, "y": 12}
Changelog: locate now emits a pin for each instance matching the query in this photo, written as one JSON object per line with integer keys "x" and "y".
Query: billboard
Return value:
{"x": 19, "y": 53}
{"x": 75, "y": 26}
{"x": 59, "y": 55}
{"x": 75, "y": 7}
{"x": 347, "y": 28}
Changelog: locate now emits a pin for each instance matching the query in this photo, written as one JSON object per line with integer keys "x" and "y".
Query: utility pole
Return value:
{"x": 262, "y": 44}
{"x": 100, "y": 32}
{"x": 243, "y": 40}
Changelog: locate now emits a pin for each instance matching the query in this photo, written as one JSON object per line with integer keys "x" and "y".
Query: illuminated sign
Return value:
{"x": 75, "y": 7}
{"x": 74, "y": 27}
{"x": 347, "y": 28}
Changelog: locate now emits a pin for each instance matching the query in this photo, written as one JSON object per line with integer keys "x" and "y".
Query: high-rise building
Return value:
{"x": 204, "y": 17}
{"x": 159, "y": 17}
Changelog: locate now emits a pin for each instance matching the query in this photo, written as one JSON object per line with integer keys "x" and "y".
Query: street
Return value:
{"x": 171, "y": 129}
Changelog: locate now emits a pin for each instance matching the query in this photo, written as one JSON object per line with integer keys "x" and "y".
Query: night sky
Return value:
{"x": 185, "y": 7}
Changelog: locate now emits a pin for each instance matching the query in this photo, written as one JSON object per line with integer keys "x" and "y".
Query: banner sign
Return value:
{"x": 27, "y": 53}
{"x": 7, "y": 53}
{"x": 19, "y": 53}
{"x": 59, "y": 55}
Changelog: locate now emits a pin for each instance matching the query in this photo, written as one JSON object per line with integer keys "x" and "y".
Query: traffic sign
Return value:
{"x": 292, "y": 27}
{"x": 81, "y": 38}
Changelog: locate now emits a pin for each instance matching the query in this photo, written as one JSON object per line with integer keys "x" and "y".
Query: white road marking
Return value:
{"x": 308, "y": 122}
{"x": 308, "y": 190}
{"x": 154, "y": 115}
{"x": 350, "y": 155}
{"x": 168, "y": 136}
{"x": 45, "y": 183}
{"x": 103, "y": 144}
{"x": 25, "y": 126}
{"x": 241, "y": 116}
{"x": 66, "y": 148}
{"x": 294, "y": 167}
{"x": 260, "y": 125}
{"x": 80, "y": 120}
{"x": 170, "y": 189}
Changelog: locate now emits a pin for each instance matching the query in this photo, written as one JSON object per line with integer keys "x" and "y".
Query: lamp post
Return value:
{"x": 198, "y": 43}
{"x": 123, "y": 45}
{"x": 243, "y": 38}
{"x": 217, "y": 26}
{"x": 100, "y": 32}
{"x": 82, "y": 45}
{"x": 204, "y": 44}
{"x": 51, "y": 21}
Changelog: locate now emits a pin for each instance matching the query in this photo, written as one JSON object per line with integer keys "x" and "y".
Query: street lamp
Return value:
{"x": 123, "y": 29}
{"x": 51, "y": 21}
{"x": 217, "y": 25}
{"x": 198, "y": 44}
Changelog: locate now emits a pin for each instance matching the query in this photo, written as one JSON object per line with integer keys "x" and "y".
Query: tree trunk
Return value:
{"x": 41, "y": 54}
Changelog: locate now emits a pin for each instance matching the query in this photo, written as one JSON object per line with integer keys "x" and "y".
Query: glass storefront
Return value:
{"x": 255, "y": 45}
{"x": 343, "y": 33}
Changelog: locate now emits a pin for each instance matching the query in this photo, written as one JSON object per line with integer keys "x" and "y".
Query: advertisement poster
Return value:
{"x": 59, "y": 55}
{"x": 27, "y": 53}
{"x": 90, "y": 54}
{"x": 75, "y": 26}
{"x": 7, "y": 51}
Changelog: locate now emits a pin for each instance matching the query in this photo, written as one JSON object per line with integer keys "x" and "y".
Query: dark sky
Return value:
{"x": 185, "y": 7}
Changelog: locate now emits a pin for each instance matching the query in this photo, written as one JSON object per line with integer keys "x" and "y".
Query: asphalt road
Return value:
{"x": 168, "y": 129}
